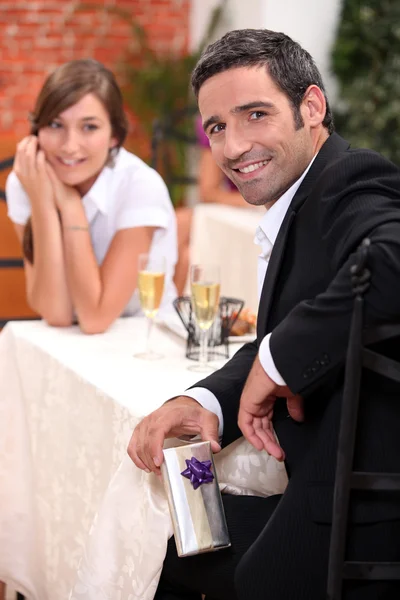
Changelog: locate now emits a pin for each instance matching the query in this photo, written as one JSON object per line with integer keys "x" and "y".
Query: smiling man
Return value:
{"x": 257, "y": 137}
{"x": 265, "y": 111}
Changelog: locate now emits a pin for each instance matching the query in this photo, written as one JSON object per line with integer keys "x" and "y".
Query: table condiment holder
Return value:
{"x": 218, "y": 342}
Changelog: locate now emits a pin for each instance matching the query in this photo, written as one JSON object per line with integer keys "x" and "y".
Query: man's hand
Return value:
{"x": 257, "y": 408}
{"x": 180, "y": 416}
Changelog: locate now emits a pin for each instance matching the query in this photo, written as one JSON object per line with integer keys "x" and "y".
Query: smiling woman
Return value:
{"x": 83, "y": 207}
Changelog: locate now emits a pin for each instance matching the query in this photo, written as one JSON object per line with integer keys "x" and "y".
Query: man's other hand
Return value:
{"x": 257, "y": 408}
{"x": 180, "y": 416}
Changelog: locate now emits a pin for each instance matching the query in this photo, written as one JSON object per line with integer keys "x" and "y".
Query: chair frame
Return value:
{"x": 346, "y": 480}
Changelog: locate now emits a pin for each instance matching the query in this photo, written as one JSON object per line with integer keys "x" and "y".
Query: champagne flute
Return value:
{"x": 151, "y": 278}
{"x": 205, "y": 291}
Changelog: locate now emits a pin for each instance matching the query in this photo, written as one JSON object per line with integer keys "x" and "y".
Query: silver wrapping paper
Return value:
{"x": 198, "y": 516}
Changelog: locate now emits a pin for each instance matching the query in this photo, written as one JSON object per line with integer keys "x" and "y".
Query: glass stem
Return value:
{"x": 204, "y": 347}
{"x": 150, "y": 322}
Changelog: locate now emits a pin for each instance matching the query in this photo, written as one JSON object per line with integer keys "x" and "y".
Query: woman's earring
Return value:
{"x": 112, "y": 153}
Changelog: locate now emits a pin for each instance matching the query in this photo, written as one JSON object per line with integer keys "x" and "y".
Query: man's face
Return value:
{"x": 252, "y": 133}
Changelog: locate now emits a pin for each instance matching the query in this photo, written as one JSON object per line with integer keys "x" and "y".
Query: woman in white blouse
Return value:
{"x": 83, "y": 207}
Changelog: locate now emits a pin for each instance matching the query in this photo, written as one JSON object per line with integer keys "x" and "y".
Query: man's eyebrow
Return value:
{"x": 239, "y": 109}
{"x": 211, "y": 121}
{"x": 250, "y": 105}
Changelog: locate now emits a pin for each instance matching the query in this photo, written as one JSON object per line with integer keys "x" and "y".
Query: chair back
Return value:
{"x": 173, "y": 137}
{"x": 13, "y": 303}
{"x": 359, "y": 357}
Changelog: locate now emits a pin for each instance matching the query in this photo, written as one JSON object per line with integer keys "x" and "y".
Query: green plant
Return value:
{"x": 157, "y": 85}
{"x": 366, "y": 61}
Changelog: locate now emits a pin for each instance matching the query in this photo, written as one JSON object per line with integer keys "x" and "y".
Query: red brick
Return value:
{"x": 36, "y": 41}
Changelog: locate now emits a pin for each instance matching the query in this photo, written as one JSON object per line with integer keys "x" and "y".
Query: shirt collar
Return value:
{"x": 271, "y": 222}
{"x": 98, "y": 195}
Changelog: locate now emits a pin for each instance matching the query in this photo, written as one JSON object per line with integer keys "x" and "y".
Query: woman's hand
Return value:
{"x": 30, "y": 168}
{"x": 64, "y": 195}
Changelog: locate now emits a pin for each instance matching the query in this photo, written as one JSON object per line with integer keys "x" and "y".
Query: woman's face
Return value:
{"x": 77, "y": 142}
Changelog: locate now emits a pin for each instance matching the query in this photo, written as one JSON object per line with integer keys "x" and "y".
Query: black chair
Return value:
{"x": 171, "y": 137}
{"x": 346, "y": 480}
{"x": 5, "y": 164}
{"x": 9, "y": 263}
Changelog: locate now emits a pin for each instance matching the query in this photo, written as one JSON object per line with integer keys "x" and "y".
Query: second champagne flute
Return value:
{"x": 151, "y": 278}
{"x": 205, "y": 291}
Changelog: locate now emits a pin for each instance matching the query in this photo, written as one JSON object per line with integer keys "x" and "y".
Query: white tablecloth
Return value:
{"x": 225, "y": 235}
{"x": 68, "y": 405}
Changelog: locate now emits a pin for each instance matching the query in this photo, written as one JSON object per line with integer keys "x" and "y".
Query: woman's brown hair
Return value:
{"x": 63, "y": 88}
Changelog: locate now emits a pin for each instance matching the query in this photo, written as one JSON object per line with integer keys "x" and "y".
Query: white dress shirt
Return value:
{"x": 127, "y": 194}
{"x": 266, "y": 234}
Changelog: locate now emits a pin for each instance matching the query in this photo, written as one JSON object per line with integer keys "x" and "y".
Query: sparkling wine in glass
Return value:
{"x": 205, "y": 292}
{"x": 151, "y": 278}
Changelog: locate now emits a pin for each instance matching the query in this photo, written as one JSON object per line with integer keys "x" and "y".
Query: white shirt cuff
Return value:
{"x": 267, "y": 362}
{"x": 209, "y": 402}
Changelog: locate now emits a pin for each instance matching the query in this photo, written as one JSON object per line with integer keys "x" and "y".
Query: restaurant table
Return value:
{"x": 224, "y": 235}
{"x": 68, "y": 405}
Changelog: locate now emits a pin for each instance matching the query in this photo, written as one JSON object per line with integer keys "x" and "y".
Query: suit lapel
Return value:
{"x": 332, "y": 147}
{"x": 272, "y": 273}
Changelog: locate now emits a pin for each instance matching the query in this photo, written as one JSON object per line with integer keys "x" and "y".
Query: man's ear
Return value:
{"x": 314, "y": 106}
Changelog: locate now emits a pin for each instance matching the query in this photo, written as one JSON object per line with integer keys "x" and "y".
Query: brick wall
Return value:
{"x": 38, "y": 35}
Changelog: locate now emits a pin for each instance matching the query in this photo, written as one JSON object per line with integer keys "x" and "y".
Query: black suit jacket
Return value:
{"x": 307, "y": 304}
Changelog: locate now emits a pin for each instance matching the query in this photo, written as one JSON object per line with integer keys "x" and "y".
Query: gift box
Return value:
{"x": 194, "y": 499}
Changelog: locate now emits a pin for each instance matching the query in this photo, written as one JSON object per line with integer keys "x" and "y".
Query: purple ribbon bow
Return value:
{"x": 198, "y": 472}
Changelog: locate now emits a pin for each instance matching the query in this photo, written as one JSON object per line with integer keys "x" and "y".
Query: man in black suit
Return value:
{"x": 265, "y": 111}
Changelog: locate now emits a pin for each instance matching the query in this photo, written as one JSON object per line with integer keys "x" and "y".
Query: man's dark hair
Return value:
{"x": 290, "y": 66}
